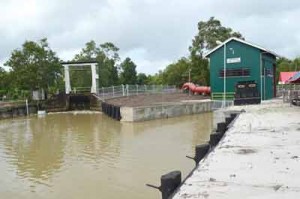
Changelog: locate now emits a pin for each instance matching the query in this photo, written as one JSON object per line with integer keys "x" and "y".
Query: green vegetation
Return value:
{"x": 107, "y": 57}
{"x": 142, "y": 79}
{"x": 286, "y": 65}
{"x": 209, "y": 32}
{"x": 36, "y": 66}
{"x": 128, "y": 72}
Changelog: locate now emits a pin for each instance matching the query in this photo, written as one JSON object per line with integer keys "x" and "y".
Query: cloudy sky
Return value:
{"x": 153, "y": 33}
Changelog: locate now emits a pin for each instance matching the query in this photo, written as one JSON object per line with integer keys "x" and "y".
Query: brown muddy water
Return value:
{"x": 88, "y": 155}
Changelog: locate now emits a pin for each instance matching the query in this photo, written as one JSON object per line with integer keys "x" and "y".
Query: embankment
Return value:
{"x": 258, "y": 157}
{"x": 16, "y": 111}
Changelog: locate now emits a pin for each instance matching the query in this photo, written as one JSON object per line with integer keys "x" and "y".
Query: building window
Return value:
{"x": 240, "y": 72}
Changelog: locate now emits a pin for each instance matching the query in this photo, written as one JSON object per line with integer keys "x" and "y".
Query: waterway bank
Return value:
{"x": 257, "y": 158}
{"x": 16, "y": 110}
{"x": 165, "y": 110}
{"x": 137, "y": 108}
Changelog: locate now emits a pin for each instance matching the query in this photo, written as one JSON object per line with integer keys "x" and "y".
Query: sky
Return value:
{"x": 153, "y": 33}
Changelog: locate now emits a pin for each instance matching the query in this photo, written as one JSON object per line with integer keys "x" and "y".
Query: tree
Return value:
{"x": 177, "y": 73}
{"x": 287, "y": 65}
{"x": 209, "y": 33}
{"x": 157, "y": 78}
{"x": 142, "y": 79}
{"x": 88, "y": 53}
{"x": 107, "y": 57}
{"x": 199, "y": 70}
{"x": 35, "y": 66}
{"x": 2, "y": 77}
{"x": 3, "y": 82}
{"x": 128, "y": 73}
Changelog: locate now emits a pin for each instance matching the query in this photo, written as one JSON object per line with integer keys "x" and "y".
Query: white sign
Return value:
{"x": 233, "y": 60}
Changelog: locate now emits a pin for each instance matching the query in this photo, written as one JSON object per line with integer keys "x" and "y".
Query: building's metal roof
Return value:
{"x": 295, "y": 78}
{"x": 244, "y": 42}
{"x": 285, "y": 76}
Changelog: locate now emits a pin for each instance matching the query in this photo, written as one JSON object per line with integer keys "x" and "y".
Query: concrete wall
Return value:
{"x": 16, "y": 111}
{"x": 135, "y": 114}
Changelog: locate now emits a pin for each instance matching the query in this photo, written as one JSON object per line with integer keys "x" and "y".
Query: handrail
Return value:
{"x": 129, "y": 90}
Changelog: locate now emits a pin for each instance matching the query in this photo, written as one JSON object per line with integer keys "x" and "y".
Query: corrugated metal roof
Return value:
{"x": 242, "y": 41}
{"x": 295, "y": 78}
{"x": 285, "y": 76}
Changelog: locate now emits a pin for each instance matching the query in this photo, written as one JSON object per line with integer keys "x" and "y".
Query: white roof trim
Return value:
{"x": 242, "y": 41}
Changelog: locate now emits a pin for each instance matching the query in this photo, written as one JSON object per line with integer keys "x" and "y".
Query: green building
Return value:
{"x": 242, "y": 61}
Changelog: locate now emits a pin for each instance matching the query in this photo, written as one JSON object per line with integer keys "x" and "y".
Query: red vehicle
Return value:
{"x": 195, "y": 89}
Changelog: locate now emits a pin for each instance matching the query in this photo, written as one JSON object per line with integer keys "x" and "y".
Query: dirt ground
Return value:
{"x": 150, "y": 99}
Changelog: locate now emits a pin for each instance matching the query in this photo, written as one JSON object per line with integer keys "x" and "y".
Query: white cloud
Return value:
{"x": 153, "y": 33}
{"x": 144, "y": 64}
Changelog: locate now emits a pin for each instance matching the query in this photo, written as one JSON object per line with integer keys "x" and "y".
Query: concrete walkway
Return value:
{"x": 259, "y": 157}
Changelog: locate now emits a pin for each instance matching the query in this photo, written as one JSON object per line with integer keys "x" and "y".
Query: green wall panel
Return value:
{"x": 250, "y": 58}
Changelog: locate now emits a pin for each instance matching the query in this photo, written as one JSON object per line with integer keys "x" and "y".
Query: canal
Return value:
{"x": 88, "y": 155}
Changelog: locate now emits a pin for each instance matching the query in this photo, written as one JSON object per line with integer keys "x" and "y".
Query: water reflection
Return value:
{"x": 93, "y": 154}
{"x": 35, "y": 148}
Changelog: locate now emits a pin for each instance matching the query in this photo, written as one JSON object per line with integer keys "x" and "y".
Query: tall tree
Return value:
{"x": 35, "y": 66}
{"x": 209, "y": 32}
{"x": 128, "y": 72}
{"x": 157, "y": 78}
{"x": 89, "y": 53}
{"x": 2, "y": 77}
{"x": 107, "y": 57}
{"x": 142, "y": 79}
{"x": 177, "y": 73}
{"x": 109, "y": 67}
{"x": 3, "y": 82}
{"x": 287, "y": 65}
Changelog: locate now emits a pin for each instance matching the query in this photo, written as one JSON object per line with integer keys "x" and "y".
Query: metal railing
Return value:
{"x": 81, "y": 90}
{"x": 129, "y": 90}
{"x": 283, "y": 88}
{"x": 289, "y": 95}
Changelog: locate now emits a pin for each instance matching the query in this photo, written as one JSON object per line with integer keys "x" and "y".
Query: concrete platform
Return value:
{"x": 259, "y": 157}
{"x": 165, "y": 110}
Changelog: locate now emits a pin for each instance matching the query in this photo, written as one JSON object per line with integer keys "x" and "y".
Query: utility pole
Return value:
{"x": 225, "y": 76}
{"x": 190, "y": 80}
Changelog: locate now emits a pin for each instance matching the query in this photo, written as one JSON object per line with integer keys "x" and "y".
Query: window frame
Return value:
{"x": 235, "y": 72}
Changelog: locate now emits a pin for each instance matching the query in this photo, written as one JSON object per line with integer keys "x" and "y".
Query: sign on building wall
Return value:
{"x": 233, "y": 60}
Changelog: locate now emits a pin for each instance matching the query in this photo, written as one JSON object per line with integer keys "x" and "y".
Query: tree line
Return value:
{"x": 36, "y": 66}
